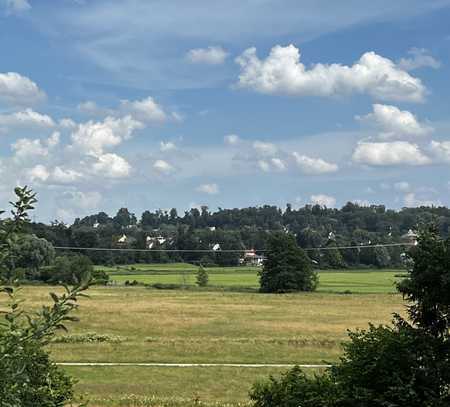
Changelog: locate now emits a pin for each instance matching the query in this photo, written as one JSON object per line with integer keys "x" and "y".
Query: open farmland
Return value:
{"x": 340, "y": 281}
{"x": 137, "y": 324}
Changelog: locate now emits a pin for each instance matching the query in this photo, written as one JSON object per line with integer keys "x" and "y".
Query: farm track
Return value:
{"x": 183, "y": 365}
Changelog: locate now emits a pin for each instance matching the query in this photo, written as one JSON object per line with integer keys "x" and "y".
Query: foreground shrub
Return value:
{"x": 405, "y": 365}
{"x": 27, "y": 376}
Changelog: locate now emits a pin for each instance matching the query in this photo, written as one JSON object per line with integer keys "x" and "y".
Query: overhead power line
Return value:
{"x": 125, "y": 249}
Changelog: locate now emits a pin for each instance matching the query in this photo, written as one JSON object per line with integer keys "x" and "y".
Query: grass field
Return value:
{"x": 148, "y": 325}
{"x": 355, "y": 281}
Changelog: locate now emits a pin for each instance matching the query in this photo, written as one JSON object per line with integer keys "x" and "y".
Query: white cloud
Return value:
{"x": 26, "y": 118}
{"x": 16, "y": 6}
{"x": 312, "y": 166}
{"x": 265, "y": 149}
{"x": 90, "y": 107}
{"x": 65, "y": 176}
{"x": 67, "y": 123}
{"x": 231, "y": 139}
{"x": 278, "y": 164}
{"x": 283, "y": 73}
{"x": 38, "y": 173}
{"x": 112, "y": 166}
{"x": 419, "y": 58}
{"x": 402, "y": 186}
{"x": 411, "y": 200}
{"x": 95, "y": 137}
{"x": 441, "y": 150}
{"x": 145, "y": 110}
{"x": 395, "y": 123}
{"x": 386, "y": 154}
{"x": 16, "y": 90}
{"x": 25, "y": 148}
{"x": 167, "y": 146}
{"x": 272, "y": 164}
{"x": 212, "y": 55}
{"x": 210, "y": 189}
{"x": 81, "y": 200}
{"x": 163, "y": 167}
{"x": 323, "y": 200}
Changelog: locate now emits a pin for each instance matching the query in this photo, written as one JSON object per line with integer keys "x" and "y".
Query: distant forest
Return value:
{"x": 248, "y": 228}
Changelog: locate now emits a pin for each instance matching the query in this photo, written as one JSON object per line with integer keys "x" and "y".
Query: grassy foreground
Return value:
{"x": 145, "y": 325}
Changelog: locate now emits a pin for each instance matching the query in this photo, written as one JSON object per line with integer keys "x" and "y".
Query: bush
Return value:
{"x": 27, "y": 376}
{"x": 74, "y": 268}
{"x": 294, "y": 389}
{"x": 287, "y": 267}
{"x": 202, "y": 277}
{"x": 399, "y": 366}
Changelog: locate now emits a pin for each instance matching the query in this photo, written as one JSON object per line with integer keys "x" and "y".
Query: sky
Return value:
{"x": 167, "y": 103}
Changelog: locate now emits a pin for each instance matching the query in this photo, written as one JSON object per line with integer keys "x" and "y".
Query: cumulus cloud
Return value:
{"x": 15, "y": 6}
{"x": 26, "y": 118}
{"x": 323, "y": 200}
{"x": 231, "y": 139}
{"x": 283, "y": 73}
{"x": 62, "y": 175}
{"x": 388, "y": 154}
{"x": 145, "y": 110}
{"x": 167, "y": 146}
{"x": 80, "y": 200}
{"x": 91, "y": 108}
{"x": 265, "y": 149}
{"x": 313, "y": 166}
{"x": 112, "y": 166}
{"x": 38, "y": 173}
{"x": 402, "y": 186}
{"x": 418, "y": 58}
{"x": 441, "y": 150}
{"x": 272, "y": 164}
{"x": 25, "y": 148}
{"x": 395, "y": 123}
{"x": 212, "y": 55}
{"x": 18, "y": 90}
{"x": 163, "y": 167}
{"x": 411, "y": 200}
{"x": 96, "y": 137}
{"x": 210, "y": 189}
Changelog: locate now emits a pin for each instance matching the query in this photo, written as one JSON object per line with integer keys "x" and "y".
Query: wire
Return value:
{"x": 118, "y": 249}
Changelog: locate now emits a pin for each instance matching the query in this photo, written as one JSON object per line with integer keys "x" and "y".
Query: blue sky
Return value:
{"x": 158, "y": 104}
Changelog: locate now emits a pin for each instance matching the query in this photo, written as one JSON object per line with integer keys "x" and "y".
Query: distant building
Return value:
{"x": 123, "y": 239}
{"x": 212, "y": 228}
{"x": 251, "y": 258}
{"x": 410, "y": 237}
{"x": 151, "y": 241}
{"x": 216, "y": 247}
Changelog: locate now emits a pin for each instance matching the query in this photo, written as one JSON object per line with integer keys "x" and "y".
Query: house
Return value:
{"x": 123, "y": 239}
{"x": 212, "y": 228}
{"x": 251, "y": 258}
{"x": 151, "y": 242}
{"x": 216, "y": 247}
{"x": 410, "y": 237}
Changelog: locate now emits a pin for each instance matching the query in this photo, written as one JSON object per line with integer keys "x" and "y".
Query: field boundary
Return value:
{"x": 184, "y": 365}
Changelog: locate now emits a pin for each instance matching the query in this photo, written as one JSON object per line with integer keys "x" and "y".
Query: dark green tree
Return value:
{"x": 202, "y": 277}
{"x": 287, "y": 268}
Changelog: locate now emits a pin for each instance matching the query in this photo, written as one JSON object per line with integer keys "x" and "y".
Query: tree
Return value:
{"x": 31, "y": 254}
{"x": 74, "y": 268}
{"x": 403, "y": 365}
{"x": 428, "y": 284}
{"x": 202, "y": 277}
{"x": 287, "y": 268}
{"x": 28, "y": 378}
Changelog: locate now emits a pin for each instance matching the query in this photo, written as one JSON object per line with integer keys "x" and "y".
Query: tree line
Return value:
{"x": 313, "y": 226}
